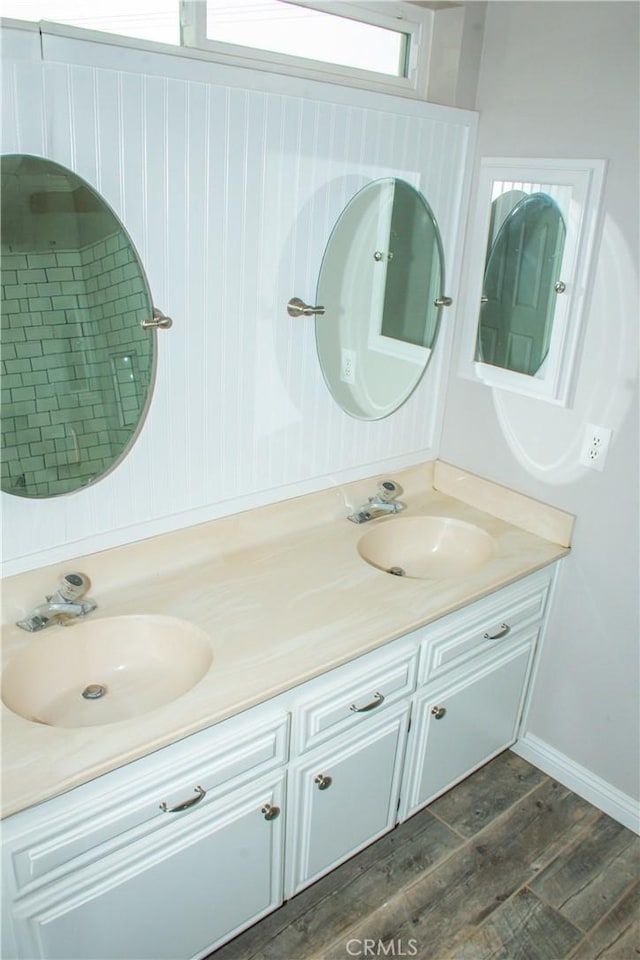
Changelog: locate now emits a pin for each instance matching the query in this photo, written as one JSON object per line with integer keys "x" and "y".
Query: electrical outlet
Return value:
{"x": 348, "y": 366}
{"x": 595, "y": 447}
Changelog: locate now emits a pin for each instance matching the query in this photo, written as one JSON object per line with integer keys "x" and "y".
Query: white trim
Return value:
{"x": 73, "y": 46}
{"x": 10, "y": 23}
{"x": 586, "y": 784}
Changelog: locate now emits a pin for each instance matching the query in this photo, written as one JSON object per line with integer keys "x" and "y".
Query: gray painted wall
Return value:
{"x": 561, "y": 80}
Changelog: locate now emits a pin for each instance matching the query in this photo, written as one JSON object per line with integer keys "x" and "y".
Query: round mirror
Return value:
{"x": 381, "y": 275}
{"x": 78, "y": 367}
{"x": 521, "y": 282}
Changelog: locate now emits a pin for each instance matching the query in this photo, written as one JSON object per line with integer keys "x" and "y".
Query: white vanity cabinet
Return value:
{"x": 166, "y": 859}
{"x": 172, "y": 855}
{"x": 474, "y": 668}
{"x": 344, "y": 778}
{"x": 461, "y": 725}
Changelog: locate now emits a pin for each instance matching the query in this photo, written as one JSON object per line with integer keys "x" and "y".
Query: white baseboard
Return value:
{"x": 587, "y": 785}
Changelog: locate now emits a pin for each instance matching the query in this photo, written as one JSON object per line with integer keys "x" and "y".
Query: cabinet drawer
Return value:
{"x": 335, "y": 707}
{"x": 483, "y": 627}
{"x": 102, "y": 816}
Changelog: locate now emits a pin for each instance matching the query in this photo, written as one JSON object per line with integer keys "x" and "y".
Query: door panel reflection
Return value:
{"x": 519, "y": 294}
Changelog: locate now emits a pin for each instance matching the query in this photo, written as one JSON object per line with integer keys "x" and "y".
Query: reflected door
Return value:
{"x": 516, "y": 315}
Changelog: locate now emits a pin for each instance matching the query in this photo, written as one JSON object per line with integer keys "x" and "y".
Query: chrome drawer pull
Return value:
{"x": 270, "y": 811}
{"x": 438, "y": 712}
{"x": 377, "y": 700}
{"x": 501, "y": 632}
{"x": 201, "y": 794}
{"x": 323, "y": 782}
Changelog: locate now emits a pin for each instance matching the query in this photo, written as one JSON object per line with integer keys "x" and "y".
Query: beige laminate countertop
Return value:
{"x": 283, "y": 595}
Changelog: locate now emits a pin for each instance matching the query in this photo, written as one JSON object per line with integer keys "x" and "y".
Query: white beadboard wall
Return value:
{"x": 229, "y": 182}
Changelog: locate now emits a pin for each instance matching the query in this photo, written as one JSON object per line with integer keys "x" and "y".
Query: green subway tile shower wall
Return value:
{"x": 76, "y": 363}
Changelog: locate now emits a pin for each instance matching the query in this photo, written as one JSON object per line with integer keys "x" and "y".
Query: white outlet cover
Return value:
{"x": 595, "y": 446}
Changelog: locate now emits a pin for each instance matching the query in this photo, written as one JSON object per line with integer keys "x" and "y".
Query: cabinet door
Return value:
{"x": 210, "y": 874}
{"x": 460, "y": 726}
{"x": 344, "y": 796}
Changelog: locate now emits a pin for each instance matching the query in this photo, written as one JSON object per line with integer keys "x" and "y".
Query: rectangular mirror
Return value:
{"x": 531, "y": 256}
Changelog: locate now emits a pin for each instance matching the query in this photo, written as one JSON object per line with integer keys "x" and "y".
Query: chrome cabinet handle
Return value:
{"x": 270, "y": 811}
{"x": 323, "y": 782}
{"x": 298, "y": 308}
{"x": 501, "y": 632}
{"x": 158, "y": 321}
{"x": 442, "y": 302}
{"x": 438, "y": 712}
{"x": 201, "y": 794}
{"x": 378, "y": 699}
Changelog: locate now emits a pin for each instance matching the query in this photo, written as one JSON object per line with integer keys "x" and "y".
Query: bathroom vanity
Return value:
{"x": 340, "y": 700}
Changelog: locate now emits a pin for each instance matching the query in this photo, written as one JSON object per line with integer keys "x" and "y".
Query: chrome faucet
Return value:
{"x": 65, "y": 605}
{"x": 383, "y": 503}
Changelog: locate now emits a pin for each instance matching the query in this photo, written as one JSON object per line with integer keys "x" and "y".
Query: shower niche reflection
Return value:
{"x": 78, "y": 364}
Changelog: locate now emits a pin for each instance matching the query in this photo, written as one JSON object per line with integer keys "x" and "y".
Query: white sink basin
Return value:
{"x": 426, "y": 548}
{"x": 105, "y": 670}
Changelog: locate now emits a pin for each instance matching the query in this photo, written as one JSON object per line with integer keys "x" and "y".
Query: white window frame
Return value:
{"x": 396, "y": 15}
{"x": 416, "y": 22}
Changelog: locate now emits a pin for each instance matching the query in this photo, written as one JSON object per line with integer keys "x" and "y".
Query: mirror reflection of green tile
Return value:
{"x": 77, "y": 365}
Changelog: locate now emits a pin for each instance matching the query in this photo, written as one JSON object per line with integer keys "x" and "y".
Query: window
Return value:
{"x": 382, "y": 45}
{"x": 282, "y": 27}
{"x": 156, "y": 20}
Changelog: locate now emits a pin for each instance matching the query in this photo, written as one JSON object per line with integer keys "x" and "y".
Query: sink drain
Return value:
{"x": 94, "y": 691}
{"x": 397, "y": 571}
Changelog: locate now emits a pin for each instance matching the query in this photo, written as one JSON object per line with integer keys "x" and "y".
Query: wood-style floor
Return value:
{"x": 507, "y": 865}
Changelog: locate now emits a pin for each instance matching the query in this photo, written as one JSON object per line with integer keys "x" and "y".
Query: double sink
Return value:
{"x": 241, "y": 609}
{"x": 104, "y": 670}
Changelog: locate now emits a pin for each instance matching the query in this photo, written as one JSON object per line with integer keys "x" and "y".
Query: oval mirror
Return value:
{"x": 521, "y": 282}
{"x": 381, "y": 275}
{"x": 78, "y": 367}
